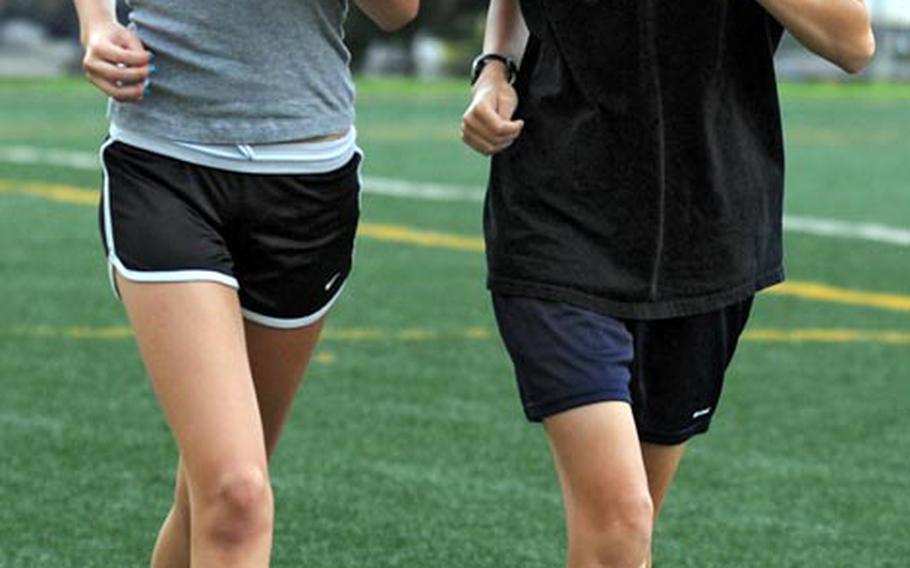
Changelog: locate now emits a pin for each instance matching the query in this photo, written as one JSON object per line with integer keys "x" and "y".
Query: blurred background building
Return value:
{"x": 40, "y": 38}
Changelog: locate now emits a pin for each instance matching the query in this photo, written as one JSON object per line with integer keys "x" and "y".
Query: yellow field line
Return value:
{"x": 53, "y": 192}
{"x": 824, "y": 293}
{"x": 827, "y": 336}
{"x": 418, "y": 237}
{"x": 381, "y": 232}
{"x": 423, "y": 335}
{"x": 342, "y": 334}
{"x": 79, "y": 332}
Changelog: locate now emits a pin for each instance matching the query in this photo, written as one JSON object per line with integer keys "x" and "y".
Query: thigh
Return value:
{"x": 678, "y": 371}
{"x": 598, "y": 457}
{"x": 191, "y": 339}
{"x": 278, "y": 360}
{"x": 295, "y": 251}
{"x": 163, "y": 220}
{"x": 564, "y": 356}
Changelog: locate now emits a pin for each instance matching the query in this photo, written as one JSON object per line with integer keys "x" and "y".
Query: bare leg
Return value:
{"x": 661, "y": 463}
{"x": 191, "y": 338}
{"x": 278, "y": 359}
{"x": 172, "y": 549}
{"x": 604, "y": 485}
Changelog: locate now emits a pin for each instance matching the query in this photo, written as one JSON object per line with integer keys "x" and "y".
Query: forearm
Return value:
{"x": 506, "y": 32}
{"x": 92, "y": 12}
{"x": 838, "y": 30}
{"x": 390, "y": 15}
{"x": 488, "y": 125}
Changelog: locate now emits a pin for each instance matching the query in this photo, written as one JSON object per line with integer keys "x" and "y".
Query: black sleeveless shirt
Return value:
{"x": 648, "y": 181}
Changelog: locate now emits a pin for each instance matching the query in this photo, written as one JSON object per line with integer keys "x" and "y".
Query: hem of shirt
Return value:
{"x": 650, "y": 310}
{"x": 231, "y": 131}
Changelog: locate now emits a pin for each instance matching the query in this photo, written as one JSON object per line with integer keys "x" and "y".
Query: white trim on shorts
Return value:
{"x": 160, "y": 276}
{"x": 293, "y": 323}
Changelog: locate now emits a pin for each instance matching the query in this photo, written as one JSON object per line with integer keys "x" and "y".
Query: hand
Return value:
{"x": 487, "y": 125}
{"x": 117, "y": 62}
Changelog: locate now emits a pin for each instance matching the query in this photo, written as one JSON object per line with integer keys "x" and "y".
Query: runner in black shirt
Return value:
{"x": 634, "y": 209}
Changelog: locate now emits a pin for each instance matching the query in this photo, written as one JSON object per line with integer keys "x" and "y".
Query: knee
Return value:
{"x": 237, "y": 504}
{"x": 182, "y": 494}
{"x": 620, "y": 534}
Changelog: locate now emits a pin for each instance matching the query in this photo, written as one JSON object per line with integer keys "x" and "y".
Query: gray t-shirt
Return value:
{"x": 242, "y": 71}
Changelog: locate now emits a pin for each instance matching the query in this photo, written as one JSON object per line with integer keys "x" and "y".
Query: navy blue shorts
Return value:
{"x": 671, "y": 371}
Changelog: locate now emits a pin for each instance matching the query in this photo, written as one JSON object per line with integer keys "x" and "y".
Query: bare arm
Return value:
{"x": 390, "y": 15}
{"x": 487, "y": 125}
{"x": 838, "y": 30}
{"x": 506, "y": 32}
{"x": 115, "y": 59}
{"x": 93, "y": 11}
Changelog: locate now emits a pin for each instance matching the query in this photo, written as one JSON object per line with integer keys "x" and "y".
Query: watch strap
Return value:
{"x": 481, "y": 61}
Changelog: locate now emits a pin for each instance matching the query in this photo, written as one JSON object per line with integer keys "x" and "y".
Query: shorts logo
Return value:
{"x": 332, "y": 281}
{"x": 702, "y": 412}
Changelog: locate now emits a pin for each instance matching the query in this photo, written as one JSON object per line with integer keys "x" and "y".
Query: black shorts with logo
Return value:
{"x": 670, "y": 370}
{"x": 284, "y": 241}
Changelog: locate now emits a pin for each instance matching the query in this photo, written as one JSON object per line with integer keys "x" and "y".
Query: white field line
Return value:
{"x": 421, "y": 190}
{"x": 817, "y": 226}
{"x": 30, "y": 155}
{"x": 847, "y": 230}
{"x": 49, "y": 157}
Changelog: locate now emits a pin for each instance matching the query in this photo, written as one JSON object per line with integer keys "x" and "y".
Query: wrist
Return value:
{"x": 93, "y": 20}
{"x": 504, "y": 65}
{"x": 494, "y": 72}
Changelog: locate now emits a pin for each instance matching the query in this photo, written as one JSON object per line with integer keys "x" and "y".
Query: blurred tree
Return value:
{"x": 58, "y": 16}
{"x": 453, "y": 20}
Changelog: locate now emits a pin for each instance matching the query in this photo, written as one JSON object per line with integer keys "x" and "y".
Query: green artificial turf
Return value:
{"x": 407, "y": 446}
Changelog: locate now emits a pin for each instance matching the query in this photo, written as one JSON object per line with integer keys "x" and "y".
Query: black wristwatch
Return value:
{"x": 481, "y": 61}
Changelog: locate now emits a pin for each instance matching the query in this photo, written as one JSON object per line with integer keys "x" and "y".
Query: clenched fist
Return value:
{"x": 487, "y": 125}
{"x": 117, "y": 62}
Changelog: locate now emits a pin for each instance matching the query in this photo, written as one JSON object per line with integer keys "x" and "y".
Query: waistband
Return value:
{"x": 276, "y": 158}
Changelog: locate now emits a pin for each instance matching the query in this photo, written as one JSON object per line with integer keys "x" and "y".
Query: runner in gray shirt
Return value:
{"x": 230, "y": 204}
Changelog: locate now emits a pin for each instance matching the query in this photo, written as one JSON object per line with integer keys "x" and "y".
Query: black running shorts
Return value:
{"x": 284, "y": 241}
{"x": 670, "y": 370}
